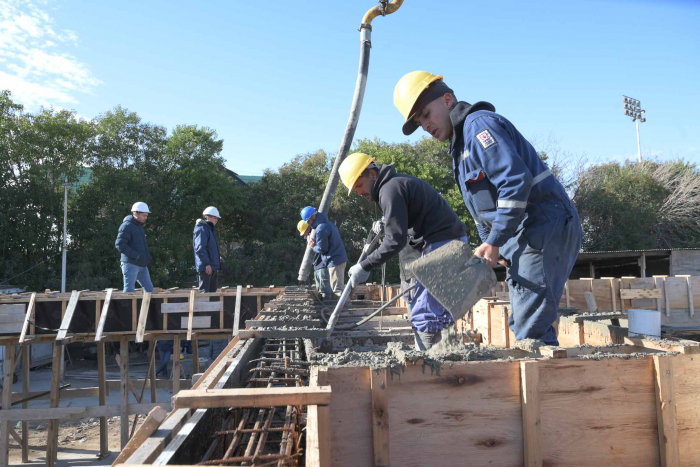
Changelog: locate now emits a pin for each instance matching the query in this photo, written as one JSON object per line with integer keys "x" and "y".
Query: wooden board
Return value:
{"x": 198, "y": 322}
{"x": 28, "y": 317}
{"x": 633, "y": 294}
{"x": 199, "y": 307}
{"x": 68, "y": 317}
{"x": 252, "y": 397}
{"x": 143, "y": 316}
{"x": 470, "y": 412}
{"x": 686, "y": 372}
{"x": 351, "y": 417}
{"x": 12, "y": 318}
{"x": 598, "y": 412}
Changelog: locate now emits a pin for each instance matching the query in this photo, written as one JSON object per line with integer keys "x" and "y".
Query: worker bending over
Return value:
{"x": 321, "y": 275}
{"x": 411, "y": 207}
{"x": 328, "y": 244}
{"x": 523, "y": 214}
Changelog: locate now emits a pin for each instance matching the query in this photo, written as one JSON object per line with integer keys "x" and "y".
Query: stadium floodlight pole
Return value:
{"x": 632, "y": 108}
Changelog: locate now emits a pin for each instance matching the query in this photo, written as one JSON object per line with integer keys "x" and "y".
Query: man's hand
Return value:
{"x": 377, "y": 227}
{"x": 208, "y": 270}
{"x": 357, "y": 275}
{"x": 489, "y": 253}
{"x": 311, "y": 242}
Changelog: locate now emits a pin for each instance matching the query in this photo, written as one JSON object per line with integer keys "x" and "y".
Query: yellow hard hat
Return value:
{"x": 406, "y": 93}
{"x": 352, "y": 167}
{"x": 302, "y": 227}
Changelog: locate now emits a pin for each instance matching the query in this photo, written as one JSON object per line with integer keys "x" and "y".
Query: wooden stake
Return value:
{"x": 54, "y": 400}
{"x": 191, "y": 315}
{"x": 221, "y": 313}
{"x": 667, "y": 299}
{"x": 666, "y": 415}
{"x": 165, "y": 316}
{"x": 134, "y": 314}
{"x": 532, "y": 440}
{"x": 143, "y": 316}
{"x": 176, "y": 364}
{"x": 26, "y": 358}
{"x": 102, "y": 397}
{"x": 237, "y": 314}
{"x": 123, "y": 390}
{"x": 152, "y": 371}
{"x": 103, "y": 315}
{"x": 7, "y": 365}
{"x": 380, "y": 417}
{"x": 195, "y": 353}
{"x": 566, "y": 289}
{"x": 691, "y": 304}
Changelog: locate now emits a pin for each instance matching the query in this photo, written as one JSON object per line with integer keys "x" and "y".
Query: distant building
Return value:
{"x": 250, "y": 179}
{"x": 637, "y": 263}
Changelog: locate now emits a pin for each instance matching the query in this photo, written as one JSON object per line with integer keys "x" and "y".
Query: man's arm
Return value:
{"x": 122, "y": 243}
{"x": 200, "y": 247}
{"x": 322, "y": 242}
{"x": 494, "y": 150}
{"x": 395, "y": 211}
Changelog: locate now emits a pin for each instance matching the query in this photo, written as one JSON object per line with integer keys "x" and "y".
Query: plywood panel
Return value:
{"x": 481, "y": 319}
{"x": 600, "y": 413}
{"x": 498, "y": 326}
{"x": 198, "y": 322}
{"x": 686, "y": 369}
{"x": 351, "y": 417}
{"x": 469, "y": 414}
{"x": 12, "y": 318}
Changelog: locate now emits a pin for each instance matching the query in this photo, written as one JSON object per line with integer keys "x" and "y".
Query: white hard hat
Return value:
{"x": 211, "y": 211}
{"x": 140, "y": 206}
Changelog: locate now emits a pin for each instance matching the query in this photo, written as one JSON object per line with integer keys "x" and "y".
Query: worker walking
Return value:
{"x": 524, "y": 217}
{"x": 321, "y": 275}
{"x": 131, "y": 243}
{"x": 206, "y": 250}
{"x": 328, "y": 244}
{"x": 411, "y": 207}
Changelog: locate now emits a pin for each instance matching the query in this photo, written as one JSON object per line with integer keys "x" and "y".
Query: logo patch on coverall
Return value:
{"x": 485, "y": 139}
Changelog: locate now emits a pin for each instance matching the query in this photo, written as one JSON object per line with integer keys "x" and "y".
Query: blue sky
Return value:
{"x": 275, "y": 79}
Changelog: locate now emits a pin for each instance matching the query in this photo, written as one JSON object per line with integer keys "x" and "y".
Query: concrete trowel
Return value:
{"x": 455, "y": 277}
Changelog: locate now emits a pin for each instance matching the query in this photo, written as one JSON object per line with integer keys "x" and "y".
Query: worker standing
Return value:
{"x": 206, "y": 250}
{"x": 131, "y": 243}
{"x": 523, "y": 214}
{"x": 411, "y": 207}
{"x": 328, "y": 243}
{"x": 321, "y": 275}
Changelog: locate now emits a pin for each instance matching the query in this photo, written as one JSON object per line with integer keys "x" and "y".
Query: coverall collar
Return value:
{"x": 458, "y": 115}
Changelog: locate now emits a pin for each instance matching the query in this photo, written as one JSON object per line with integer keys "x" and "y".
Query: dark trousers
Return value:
{"x": 207, "y": 282}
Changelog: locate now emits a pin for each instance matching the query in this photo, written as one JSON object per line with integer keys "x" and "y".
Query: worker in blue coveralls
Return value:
{"x": 328, "y": 243}
{"x": 411, "y": 209}
{"x": 524, "y": 216}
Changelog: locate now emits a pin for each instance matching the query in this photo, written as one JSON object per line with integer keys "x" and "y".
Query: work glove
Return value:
{"x": 377, "y": 227}
{"x": 357, "y": 275}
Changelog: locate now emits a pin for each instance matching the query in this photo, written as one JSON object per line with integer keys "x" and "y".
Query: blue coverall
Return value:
{"x": 520, "y": 207}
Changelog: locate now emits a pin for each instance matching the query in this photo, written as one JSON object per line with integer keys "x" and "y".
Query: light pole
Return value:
{"x": 65, "y": 234}
{"x": 634, "y": 110}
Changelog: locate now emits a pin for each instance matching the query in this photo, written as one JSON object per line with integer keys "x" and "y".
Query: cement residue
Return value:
{"x": 625, "y": 356}
{"x": 529, "y": 345}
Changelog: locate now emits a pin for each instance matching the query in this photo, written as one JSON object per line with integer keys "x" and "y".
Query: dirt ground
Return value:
{"x": 78, "y": 442}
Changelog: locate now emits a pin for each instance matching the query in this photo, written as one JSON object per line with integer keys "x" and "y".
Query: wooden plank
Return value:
{"x": 252, "y": 397}
{"x": 667, "y": 297}
{"x": 659, "y": 284}
{"x": 691, "y": 301}
{"x": 165, "y": 317}
{"x": 259, "y": 303}
{"x": 103, "y": 315}
{"x": 597, "y": 412}
{"x": 454, "y": 425}
{"x": 102, "y": 398}
{"x": 668, "y": 345}
{"x": 143, "y": 316}
{"x": 68, "y": 317}
{"x": 566, "y": 292}
{"x": 26, "y": 357}
{"x": 256, "y": 323}
{"x": 7, "y": 365}
{"x": 123, "y": 391}
{"x": 599, "y": 316}
{"x": 275, "y": 333}
{"x": 198, "y": 322}
{"x": 686, "y": 372}
{"x": 237, "y": 314}
{"x": 29, "y": 317}
{"x": 380, "y": 417}
{"x": 60, "y": 413}
{"x": 193, "y": 293}
{"x": 532, "y": 439}
{"x": 221, "y": 313}
{"x": 666, "y": 412}
{"x": 134, "y": 315}
{"x": 199, "y": 307}
{"x": 154, "y": 445}
{"x": 318, "y": 439}
{"x": 153, "y": 420}
{"x": 176, "y": 364}
{"x": 52, "y": 440}
{"x": 635, "y": 294}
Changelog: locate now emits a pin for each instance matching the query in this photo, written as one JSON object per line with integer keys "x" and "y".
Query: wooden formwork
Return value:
{"x": 563, "y": 412}
{"x": 149, "y": 319}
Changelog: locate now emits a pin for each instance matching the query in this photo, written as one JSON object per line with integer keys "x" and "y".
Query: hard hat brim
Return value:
{"x": 410, "y": 126}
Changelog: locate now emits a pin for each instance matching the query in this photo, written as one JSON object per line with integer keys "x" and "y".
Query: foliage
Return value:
{"x": 639, "y": 206}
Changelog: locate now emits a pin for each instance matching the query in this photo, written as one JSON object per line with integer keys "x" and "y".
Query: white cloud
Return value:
{"x": 32, "y": 63}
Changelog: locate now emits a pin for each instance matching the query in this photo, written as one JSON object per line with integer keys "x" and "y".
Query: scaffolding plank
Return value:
{"x": 252, "y": 397}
